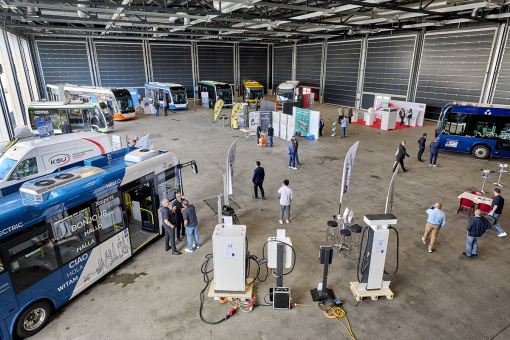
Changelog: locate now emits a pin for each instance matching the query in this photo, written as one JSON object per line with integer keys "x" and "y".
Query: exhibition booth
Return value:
{"x": 385, "y": 116}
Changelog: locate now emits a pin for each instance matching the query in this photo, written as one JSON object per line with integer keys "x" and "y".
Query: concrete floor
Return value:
{"x": 442, "y": 295}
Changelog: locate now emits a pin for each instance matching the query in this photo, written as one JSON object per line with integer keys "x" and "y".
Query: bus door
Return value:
{"x": 502, "y": 148}
{"x": 141, "y": 207}
{"x": 8, "y": 302}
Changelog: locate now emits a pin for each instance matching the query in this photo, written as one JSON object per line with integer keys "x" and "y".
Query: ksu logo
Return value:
{"x": 59, "y": 159}
{"x": 487, "y": 112}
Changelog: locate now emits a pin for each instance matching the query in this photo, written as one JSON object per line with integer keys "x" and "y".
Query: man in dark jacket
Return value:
{"x": 270, "y": 134}
{"x": 434, "y": 151}
{"x": 401, "y": 154}
{"x": 258, "y": 179}
{"x": 169, "y": 225}
{"x": 421, "y": 144}
{"x": 259, "y": 130}
{"x": 476, "y": 227}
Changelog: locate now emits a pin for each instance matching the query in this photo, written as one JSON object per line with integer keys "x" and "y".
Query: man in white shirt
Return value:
{"x": 285, "y": 199}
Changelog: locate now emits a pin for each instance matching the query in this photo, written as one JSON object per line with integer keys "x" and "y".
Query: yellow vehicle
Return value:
{"x": 251, "y": 90}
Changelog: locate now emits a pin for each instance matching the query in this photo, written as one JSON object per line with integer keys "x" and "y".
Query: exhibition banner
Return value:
{"x": 302, "y": 121}
{"x": 276, "y": 123}
{"x": 230, "y": 165}
{"x": 346, "y": 176}
{"x": 143, "y": 142}
{"x": 389, "y": 198}
{"x": 265, "y": 120}
{"x": 217, "y": 108}
{"x": 283, "y": 126}
{"x": 236, "y": 111}
{"x": 291, "y": 121}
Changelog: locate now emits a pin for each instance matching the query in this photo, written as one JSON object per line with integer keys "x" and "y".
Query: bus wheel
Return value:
{"x": 95, "y": 129}
{"x": 481, "y": 152}
{"x": 33, "y": 319}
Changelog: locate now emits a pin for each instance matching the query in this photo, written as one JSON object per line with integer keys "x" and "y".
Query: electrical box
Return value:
{"x": 272, "y": 243}
{"x": 281, "y": 298}
{"x": 229, "y": 258}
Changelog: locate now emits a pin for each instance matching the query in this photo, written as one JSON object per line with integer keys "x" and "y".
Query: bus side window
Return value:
{"x": 456, "y": 124}
{"x": 505, "y": 129}
{"x": 111, "y": 220}
{"x": 74, "y": 233}
{"x": 32, "y": 260}
{"x": 76, "y": 119}
{"x": 483, "y": 126}
{"x": 27, "y": 167}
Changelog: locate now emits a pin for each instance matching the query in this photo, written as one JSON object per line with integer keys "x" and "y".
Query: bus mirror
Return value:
{"x": 194, "y": 167}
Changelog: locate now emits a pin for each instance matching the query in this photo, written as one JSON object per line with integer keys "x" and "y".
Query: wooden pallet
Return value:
{"x": 374, "y": 294}
{"x": 247, "y": 294}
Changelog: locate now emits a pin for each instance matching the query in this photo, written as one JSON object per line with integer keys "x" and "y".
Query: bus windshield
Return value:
{"x": 224, "y": 93}
{"x": 285, "y": 95}
{"x": 178, "y": 95}
{"x": 256, "y": 93}
{"x": 6, "y": 164}
{"x": 125, "y": 102}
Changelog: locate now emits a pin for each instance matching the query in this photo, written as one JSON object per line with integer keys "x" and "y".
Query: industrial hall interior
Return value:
{"x": 185, "y": 169}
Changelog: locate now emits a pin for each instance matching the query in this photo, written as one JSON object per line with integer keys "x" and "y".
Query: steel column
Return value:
{"x": 361, "y": 71}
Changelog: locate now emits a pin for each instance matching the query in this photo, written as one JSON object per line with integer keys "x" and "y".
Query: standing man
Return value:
{"x": 477, "y": 226}
{"x": 258, "y": 179}
{"x": 496, "y": 209}
{"x": 270, "y": 134}
{"x": 165, "y": 105}
{"x": 259, "y": 130}
{"x": 257, "y": 103}
{"x": 409, "y": 116}
{"x": 179, "y": 221}
{"x": 401, "y": 115}
{"x": 191, "y": 223}
{"x": 349, "y": 114}
{"x": 296, "y": 146}
{"x": 435, "y": 221}
{"x": 434, "y": 151}
{"x": 285, "y": 199}
{"x": 321, "y": 126}
{"x": 345, "y": 122}
{"x": 421, "y": 145}
{"x": 401, "y": 154}
{"x": 341, "y": 113}
{"x": 169, "y": 225}
{"x": 291, "y": 151}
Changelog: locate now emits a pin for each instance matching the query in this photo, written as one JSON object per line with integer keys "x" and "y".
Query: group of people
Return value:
{"x": 292, "y": 151}
{"x": 270, "y": 134}
{"x": 403, "y": 114}
{"x": 285, "y": 192}
{"x": 164, "y": 105}
{"x": 476, "y": 227}
{"x": 401, "y": 153}
{"x": 180, "y": 218}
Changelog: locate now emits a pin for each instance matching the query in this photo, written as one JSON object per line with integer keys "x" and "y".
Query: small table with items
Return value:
{"x": 247, "y": 131}
{"x": 476, "y": 198}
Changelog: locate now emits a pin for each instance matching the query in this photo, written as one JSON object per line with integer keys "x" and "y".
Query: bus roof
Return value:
{"x": 94, "y": 177}
{"x": 23, "y": 146}
{"x": 496, "y": 106}
{"x": 252, "y": 83}
{"x": 162, "y": 85}
{"x": 211, "y": 82}
{"x": 86, "y": 89}
{"x": 51, "y": 104}
{"x": 289, "y": 84}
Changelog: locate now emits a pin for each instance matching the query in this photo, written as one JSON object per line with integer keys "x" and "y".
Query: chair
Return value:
{"x": 332, "y": 232}
{"x": 356, "y": 230}
{"x": 478, "y": 193}
{"x": 485, "y": 208}
{"x": 465, "y": 203}
{"x": 345, "y": 240}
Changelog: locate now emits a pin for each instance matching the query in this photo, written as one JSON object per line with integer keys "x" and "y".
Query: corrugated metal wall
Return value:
{"x": 282, "y": 65}
{"x": 121, "y": 65}
{"x": 453, "y": 67}
{"x": 172, "y": 64}
{"x": 388, "y": 67}
{"x": 308, "y": 64}
{"x": 216, "y": 63}
{"x": 342, "y": 73}
{"x": 502, "y": 90}
{"x": 64, "y": 62}
{"x": 253, "y": 64}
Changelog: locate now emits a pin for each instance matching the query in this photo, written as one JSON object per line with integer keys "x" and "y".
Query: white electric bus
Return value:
{"x": 117, "y": 102}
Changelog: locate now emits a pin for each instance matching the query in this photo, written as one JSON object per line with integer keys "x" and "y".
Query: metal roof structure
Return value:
{"x": 243, "y": 21}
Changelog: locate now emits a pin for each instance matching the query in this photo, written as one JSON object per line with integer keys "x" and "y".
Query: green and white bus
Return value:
{"x": 216, "y": 90}
{"x": 81, "y": 117}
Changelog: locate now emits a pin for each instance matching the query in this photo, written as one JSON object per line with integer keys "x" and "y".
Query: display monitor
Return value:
{"x": 384, "y": 105}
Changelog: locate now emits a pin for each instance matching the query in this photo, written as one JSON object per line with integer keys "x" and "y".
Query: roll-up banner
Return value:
{"x": 217, "y": 108}
{"x": 346, "y": 176}
{"x": 230, "y": 165}
{"x": 389, "y": 198}
{"x": 236, "y": 111}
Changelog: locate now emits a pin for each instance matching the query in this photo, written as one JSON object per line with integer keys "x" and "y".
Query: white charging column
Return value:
{"x": 378, "y": 244}
{"x": 229, "y": 258}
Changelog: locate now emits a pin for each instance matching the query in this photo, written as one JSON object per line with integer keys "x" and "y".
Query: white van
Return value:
{"x": 35, "y": 157}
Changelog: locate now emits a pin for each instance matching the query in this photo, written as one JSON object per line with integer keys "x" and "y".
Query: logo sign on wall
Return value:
{"x": 217, "y": 108}
{"x": 302, "y": 121}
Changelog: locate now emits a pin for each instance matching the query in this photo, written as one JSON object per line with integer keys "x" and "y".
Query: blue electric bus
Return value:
{"x": 174, "y": 94}
{"x": 481, "y": 129}
{"x": 61, "y": 233}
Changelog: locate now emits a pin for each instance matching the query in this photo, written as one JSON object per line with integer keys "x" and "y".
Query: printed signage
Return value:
{"x": 302, "y": 121}
{"x": 217, "y": 108}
